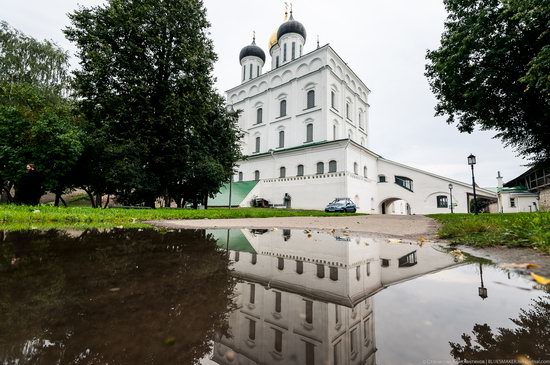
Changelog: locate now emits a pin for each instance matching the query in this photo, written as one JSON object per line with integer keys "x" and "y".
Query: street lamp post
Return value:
{"x": 451, "y": 196}
{"x": 482, "y": 290}
{"x": 472, "y": 162}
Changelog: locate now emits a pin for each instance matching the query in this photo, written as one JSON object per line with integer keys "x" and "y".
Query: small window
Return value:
{"x": 333, "y": 273}
{"x": 382, "y": 178}
{"x": 442, "y": 201}
{"x": 320, "y": 168}
{"x": 257, "y": 175}
{"x": 368, "y": 268}
{"x": 282, "y": 172}
{"x": 299, "y": 267}
{"x": 293, "y": 54}
{"x": 244, "y": 72}
{"x": 309, "y": 311}
{"x": 385, "y": 262}
{"x": 300, "y": 170}
{"x": 259, "y": 115}
{"x": 281, "y": 139}
{"x": 257, "y": 145}
{"x": 364, "y": 171}
{"x": 254, "y": 259}
{"x": 407, "y": 260}
{"x": 278, "y": 302}
{"x": 404, "y": 182}
{"x": 320, "y": 271}
{"x": 332, "y": 166}
{"x": 284, "y": 52}
{"x": 512, "y": 202}
{"x": 301, "y": 50}
{"x": 257, "y": 70}
{"x": 309, "y": 133}
{"x": 333, "y": 100}
{"x": 280, "y": 263}
{"x": 310, "y": 353}
{"x": 250, "y": 71}
{"x": 251, "y": 329}
{"x": 282, "y": 108}
{"x": 240, "y": 176}
{"x": 252, "y": 298}
{"x": 355, "y": 168}
{"x": 337, "y": 314}
{"x": 347, "y": 111}
{"x": 278, "y": 341}
{"x": 310, "y": 99}
{"x": 277, "y": 62}
{"x": 358, "y": 273}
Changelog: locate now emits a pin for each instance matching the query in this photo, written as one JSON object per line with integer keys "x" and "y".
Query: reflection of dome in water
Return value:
{"x": 291, "y": 26}
{"x": 252, "y": 50}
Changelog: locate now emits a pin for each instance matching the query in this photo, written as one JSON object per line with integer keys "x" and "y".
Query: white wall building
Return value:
{"x": 306, "y": 124}
{"x": 307, "y": 298}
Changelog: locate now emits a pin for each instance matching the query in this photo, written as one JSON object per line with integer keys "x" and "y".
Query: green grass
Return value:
{"x": 512, "y": 229}
{"x": 14, "y": 217}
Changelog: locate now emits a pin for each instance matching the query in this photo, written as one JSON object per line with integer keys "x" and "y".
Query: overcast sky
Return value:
{"x": 383, "y": 41}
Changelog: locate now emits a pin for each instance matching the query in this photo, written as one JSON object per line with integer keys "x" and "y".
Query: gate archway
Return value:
{"x": 396, "y": 206}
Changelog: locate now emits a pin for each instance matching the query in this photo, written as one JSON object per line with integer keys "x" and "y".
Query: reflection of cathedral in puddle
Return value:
{"x": 307, "y": 298}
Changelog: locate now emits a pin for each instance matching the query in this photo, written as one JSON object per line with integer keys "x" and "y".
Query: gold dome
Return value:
{"x": 272, "y": 40}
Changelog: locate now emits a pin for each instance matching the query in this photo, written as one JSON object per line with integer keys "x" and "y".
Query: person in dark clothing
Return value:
{"x": 29, "y": 189}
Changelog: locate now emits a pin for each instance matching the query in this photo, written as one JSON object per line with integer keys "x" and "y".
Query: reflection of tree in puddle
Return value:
{"x": 529, "y": 339}
{"x": 119, "y": 297}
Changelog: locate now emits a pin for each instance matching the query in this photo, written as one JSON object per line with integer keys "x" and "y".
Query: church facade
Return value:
{"x": 306, "y": 133}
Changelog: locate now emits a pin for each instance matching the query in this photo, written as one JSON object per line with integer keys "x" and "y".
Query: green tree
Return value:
{"x": 146, "y": 91}
{"x": 492, "y": 70}
{"x": 37, "y": 123}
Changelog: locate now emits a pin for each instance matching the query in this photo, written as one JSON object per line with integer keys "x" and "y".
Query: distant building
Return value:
{"x": 528, "y": 192}
{"x": 306, "y": 133}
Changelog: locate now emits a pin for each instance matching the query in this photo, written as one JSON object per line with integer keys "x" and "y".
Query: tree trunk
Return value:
{"x": 98, "y": 197}
{"x": 195, "y": 203}
{"x": 107, "y": 202}
{"x": 205, "y": 201}
{"x": 57, "y": 198}
{"x": 91, "y": 196}
{"x": 63, "y": 201}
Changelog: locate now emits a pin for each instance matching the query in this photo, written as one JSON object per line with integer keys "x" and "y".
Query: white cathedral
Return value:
{"x": 306, "y": 133}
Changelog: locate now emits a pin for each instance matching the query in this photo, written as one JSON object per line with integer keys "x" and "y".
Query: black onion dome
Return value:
{"x": 252, "y": 50}
{"x": 291, "y": 26}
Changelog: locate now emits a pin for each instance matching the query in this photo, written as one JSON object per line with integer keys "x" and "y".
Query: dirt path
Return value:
{"x": 412, "y": 226}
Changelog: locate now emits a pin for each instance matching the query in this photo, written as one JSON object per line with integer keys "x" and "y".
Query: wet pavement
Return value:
{"x": 259, "y": 296}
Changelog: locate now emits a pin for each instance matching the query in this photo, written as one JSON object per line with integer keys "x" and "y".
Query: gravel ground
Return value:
{"x": 411, "y": 226}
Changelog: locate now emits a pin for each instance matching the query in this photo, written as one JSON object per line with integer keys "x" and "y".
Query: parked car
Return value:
{"x": 344, "y": 205}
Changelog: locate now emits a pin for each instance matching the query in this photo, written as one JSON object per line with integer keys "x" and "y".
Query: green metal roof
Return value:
{"x": 237, "y": 240}
{"x": 239, "y": 191}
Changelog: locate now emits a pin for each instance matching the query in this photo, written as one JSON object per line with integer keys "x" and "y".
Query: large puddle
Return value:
{"x": 259, "y": 297}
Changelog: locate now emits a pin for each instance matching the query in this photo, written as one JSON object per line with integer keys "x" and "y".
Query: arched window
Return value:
{"x": 259, "y": 115}
{"x": 333, "y": 100}
{"x": 257, "y": 71}
{"x": 300, "y": 170}
{"x": 355, "y": 168}
{"x": 257, "y": 175}
{"x": 240, "y": 176}
{"x": 320, "y": 168}
{"x": 257, "y": 145}
{"x": 365, "y": 171}
{"x": 300, "y": 50}
{"x": 244, "y": 71}
{"x": 281, "y": 139}
{"x": 442, "y": 201}
{"x": 277, "y": 62}
{"x": 309, "y": 133}
{"x": 250, "y": 71}
{"x": 282, "y": 172}
{"x": 361, "y": 120}
{"x": 293, "y": 54}
{"x": 332, "y": 166}
{"x": 348, "y": 111}
{"x": 284, "y": 52}
{"x": 310, "y": 99}
{"x": 282, "y": 108}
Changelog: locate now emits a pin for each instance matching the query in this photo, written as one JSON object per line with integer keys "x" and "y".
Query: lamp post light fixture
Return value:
{"x": 451, "y": 196}
{"x": 482, "y": 290}
{"x": 472, "y": 162}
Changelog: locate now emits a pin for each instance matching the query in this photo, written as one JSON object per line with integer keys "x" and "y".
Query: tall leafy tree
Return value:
{"x": 37, "y": 122}
{"x": 492, "y": 71}
{"x": 146, "y": 91}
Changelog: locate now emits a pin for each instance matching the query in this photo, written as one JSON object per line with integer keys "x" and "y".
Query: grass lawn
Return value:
{"x": 510, "y": 229}
{"x": 13, "y": 217}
